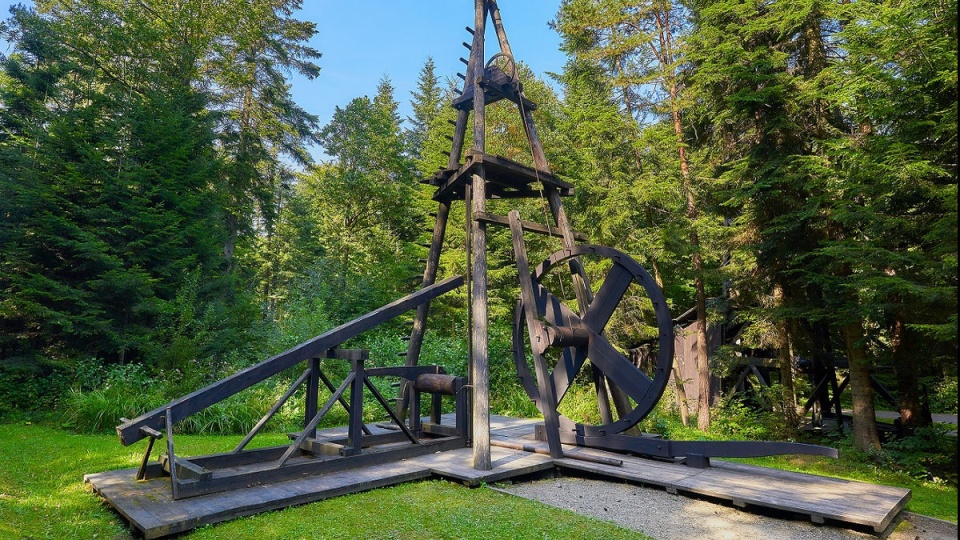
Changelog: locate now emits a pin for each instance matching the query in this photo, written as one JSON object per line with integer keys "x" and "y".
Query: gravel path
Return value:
{"x": 675, "y": 517}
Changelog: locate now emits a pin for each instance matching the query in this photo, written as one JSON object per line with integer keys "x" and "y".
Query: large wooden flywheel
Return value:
{"x": 578, "y": 346}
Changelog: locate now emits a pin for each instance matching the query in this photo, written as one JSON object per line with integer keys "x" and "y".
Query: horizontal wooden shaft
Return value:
{"x": 437, "y": 384}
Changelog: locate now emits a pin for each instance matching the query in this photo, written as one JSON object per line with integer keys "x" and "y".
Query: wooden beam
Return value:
{"x": 129, "y": 432}
{"x": 479, "y": 360}
{"x": 547, "y": 402}
{"x": 528, "y": 226}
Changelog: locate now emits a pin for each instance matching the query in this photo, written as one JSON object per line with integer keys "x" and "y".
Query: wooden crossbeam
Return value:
{"x": 506, "y": 179}
{"x": 528, "y": 226}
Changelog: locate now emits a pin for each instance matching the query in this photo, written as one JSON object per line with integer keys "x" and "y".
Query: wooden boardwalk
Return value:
{"x": 150, "y": 509}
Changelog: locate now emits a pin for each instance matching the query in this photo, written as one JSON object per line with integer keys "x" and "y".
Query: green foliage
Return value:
{"x": 101, "y": 395}
{"x": 734, "y": 419}
{"x": 943, "y": 396}
{"x": 31, "y": 385}
{"x": 929, "y": 454}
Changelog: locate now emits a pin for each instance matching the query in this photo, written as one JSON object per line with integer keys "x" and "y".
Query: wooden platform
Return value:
{"x": 149, "y": 507}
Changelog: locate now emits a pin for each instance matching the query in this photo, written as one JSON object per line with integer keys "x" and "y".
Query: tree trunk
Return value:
{"x": 703, "y": 358}
{"x": 865, "y": 435}
{"x": 789, "y": 396}
{"x": 903, "y": 342}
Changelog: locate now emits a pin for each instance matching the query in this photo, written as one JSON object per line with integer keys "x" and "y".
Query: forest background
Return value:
{"x": 791, "y": 165}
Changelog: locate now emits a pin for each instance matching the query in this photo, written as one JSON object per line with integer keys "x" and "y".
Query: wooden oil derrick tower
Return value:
{"x": 479, "y": 177}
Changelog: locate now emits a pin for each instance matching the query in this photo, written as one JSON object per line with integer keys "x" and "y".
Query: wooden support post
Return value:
{"x": 313, "y": 393}
{"x": 548, "y": 394}
{"x": 295, "y": 447}
{"x": 343, "y": 403}
{"x": 355, "y": 429}
{"x": 174, "y": 484}
{"x": 152, "y": 435}
{"x": 416, "y": 424}
{"x": 480, "y": 362}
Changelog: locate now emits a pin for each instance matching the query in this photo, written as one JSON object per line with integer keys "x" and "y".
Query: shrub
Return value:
{"x": 943, "y": 397}
{"x": 929, "y": 454}
{"x": 735, "y": 419}
{"x": 102, "y": 395}
{"x": 29, "y": 385}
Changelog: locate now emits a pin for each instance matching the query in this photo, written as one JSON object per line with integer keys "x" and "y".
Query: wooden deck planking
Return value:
{"x": 149, "y": 507}
{"x": 819, "y": 497}
{"x": 458, "y": 465}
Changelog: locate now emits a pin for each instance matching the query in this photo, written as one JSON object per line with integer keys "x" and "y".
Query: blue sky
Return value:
{"x": 364, "y": 40}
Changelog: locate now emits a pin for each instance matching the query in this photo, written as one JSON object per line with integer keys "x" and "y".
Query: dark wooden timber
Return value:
{"x": 497, "y": 85}
{"x": 548, "y": 397}
{"x": 507, "y": 179}
{"x": 437, "y": 384}
{"x": 615, "y": 462}
{"x": 313, "y": 466}
{"x": 130, "y": 433}
{"x": 528, "y": 226}
{"x": 311, "y": 404}
{"x": 343, "y": 403}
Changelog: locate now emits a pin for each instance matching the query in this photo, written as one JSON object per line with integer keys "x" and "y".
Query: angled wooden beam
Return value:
{"x": 183, "y": 407}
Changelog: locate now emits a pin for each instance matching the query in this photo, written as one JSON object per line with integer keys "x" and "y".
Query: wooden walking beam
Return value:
{"x": 129, "y": 432}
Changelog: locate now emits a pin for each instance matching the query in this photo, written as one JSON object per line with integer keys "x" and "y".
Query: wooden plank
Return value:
{"x": 832, "y": 498}
{"x": 819, "y": 497}
{"x": 548, "y": 401}
{"x": 129, "y": 432}
{"x": 504, "y": 463}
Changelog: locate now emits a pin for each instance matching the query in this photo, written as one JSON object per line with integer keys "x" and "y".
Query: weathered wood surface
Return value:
{"x": 528, "y": 226}
{"x": 819, "y": 497}
{"x": 506, "y": 179}
{"x": 497, "y": 86}
{"x": 458, "y": 465}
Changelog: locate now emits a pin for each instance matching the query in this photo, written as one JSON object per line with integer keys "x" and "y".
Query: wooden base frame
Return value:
{"x": 309, "y": 455}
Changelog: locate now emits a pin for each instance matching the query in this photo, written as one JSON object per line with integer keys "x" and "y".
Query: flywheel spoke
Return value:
{"x": 571, "y": 360}
{"x": 614, "y": 286}
{"x": 617, "y": 368}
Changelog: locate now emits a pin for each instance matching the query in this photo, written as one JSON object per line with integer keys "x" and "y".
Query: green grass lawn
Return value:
{"x": 42, "y": 495}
